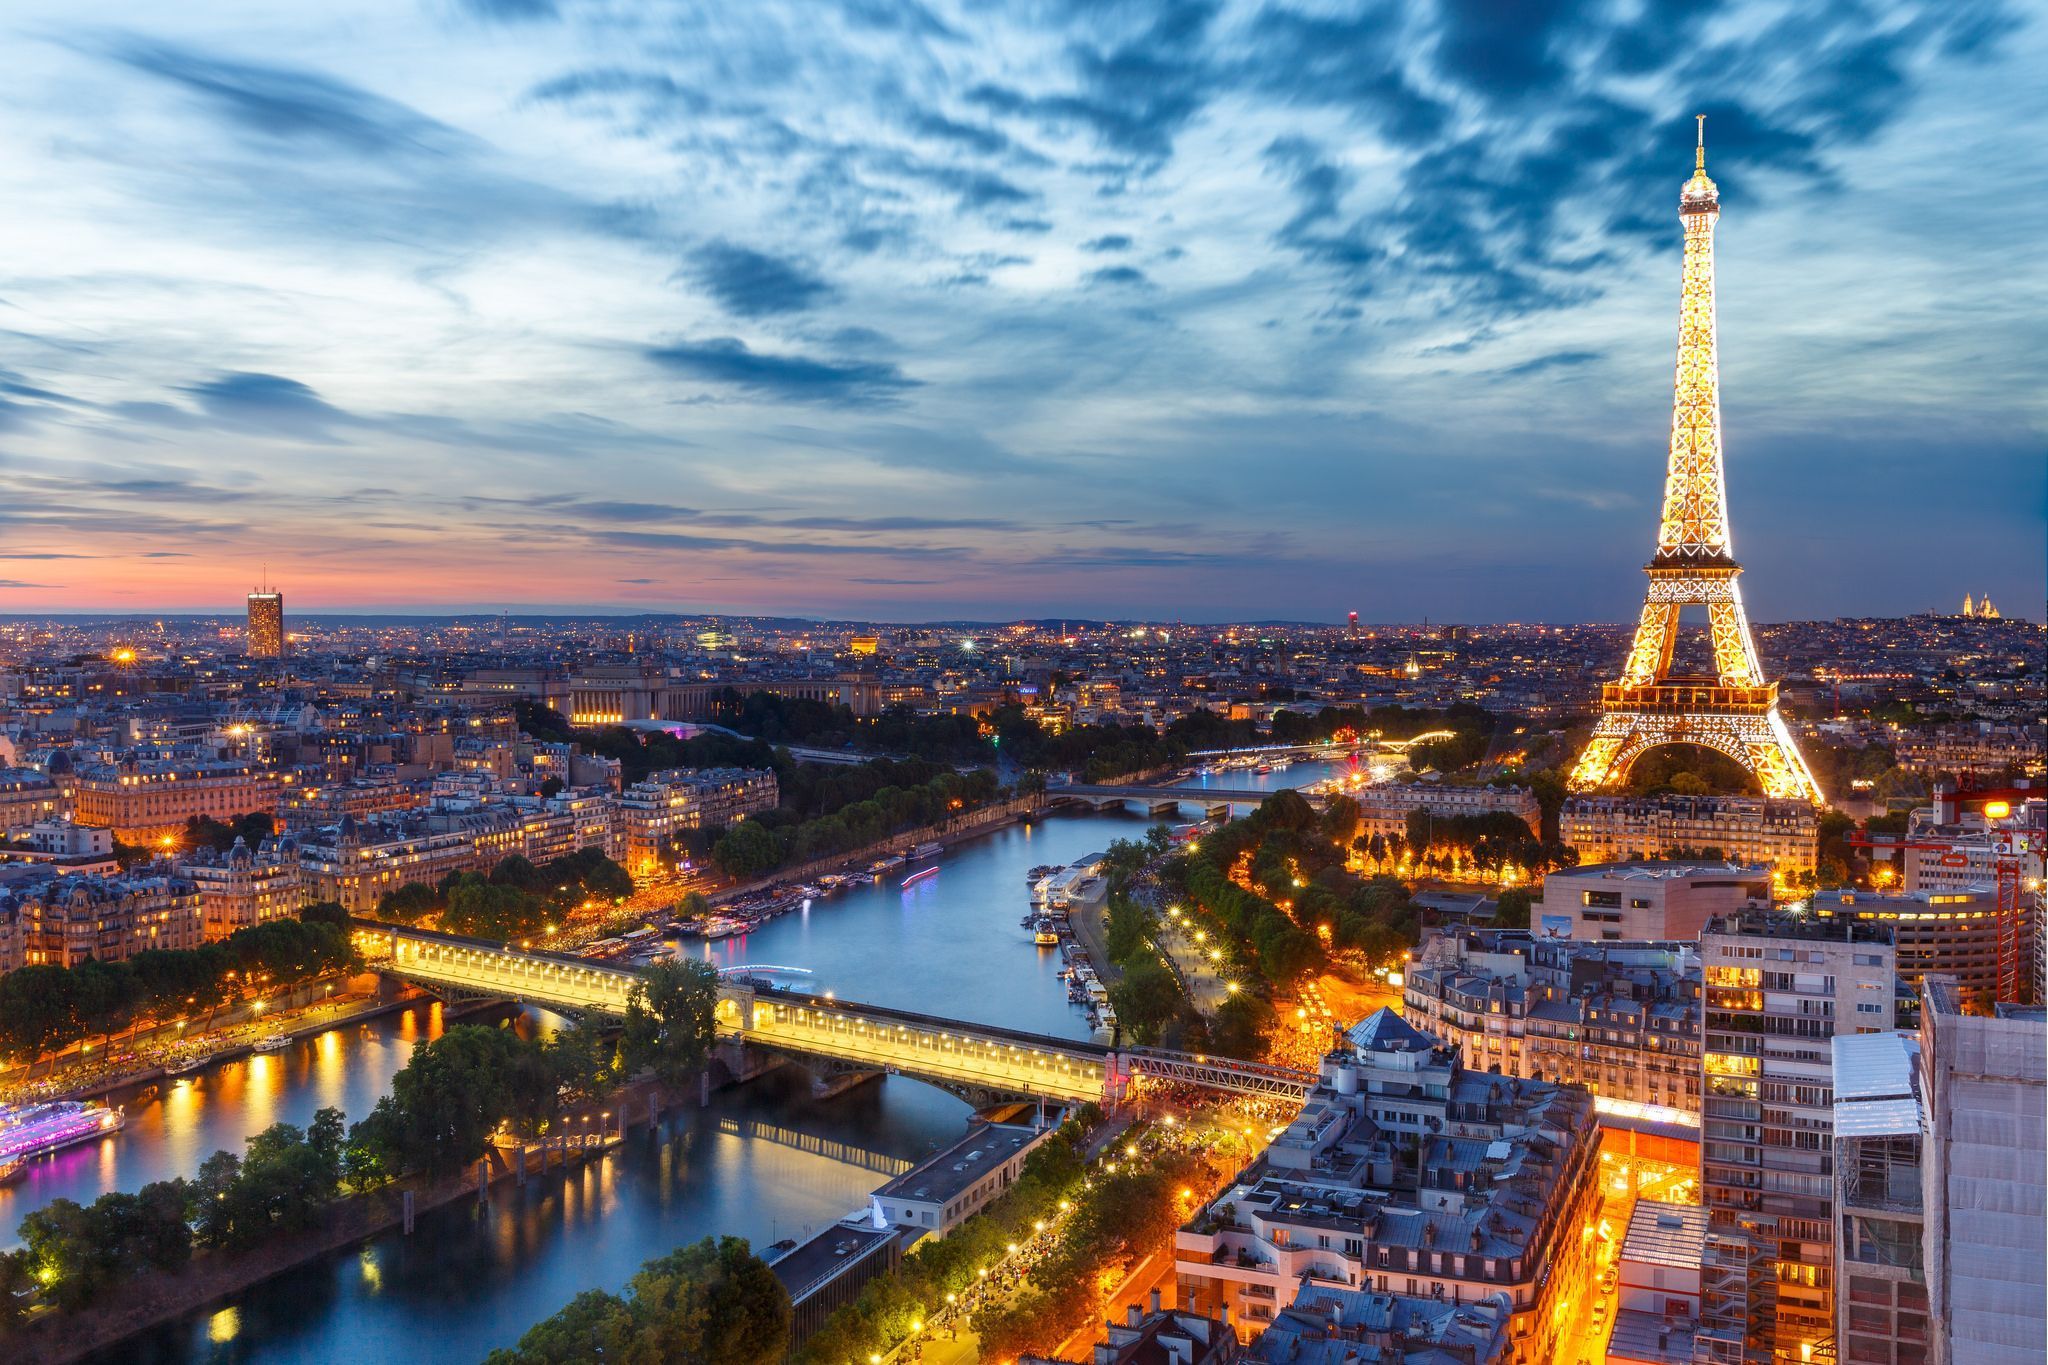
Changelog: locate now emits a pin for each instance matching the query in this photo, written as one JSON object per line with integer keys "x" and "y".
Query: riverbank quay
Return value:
{"x": 362, "y": 998}
{"x": 957, "y": 829}
{"x": 151, "y": 1300}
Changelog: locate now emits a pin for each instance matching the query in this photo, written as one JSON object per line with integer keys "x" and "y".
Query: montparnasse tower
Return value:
{"x": 1734, "y": 710}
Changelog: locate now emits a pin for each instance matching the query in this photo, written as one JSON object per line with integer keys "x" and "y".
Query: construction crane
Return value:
{"x": 2010, "y": 848}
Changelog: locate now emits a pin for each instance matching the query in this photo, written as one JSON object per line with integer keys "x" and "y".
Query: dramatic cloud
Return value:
{"x": 949, "y": 308}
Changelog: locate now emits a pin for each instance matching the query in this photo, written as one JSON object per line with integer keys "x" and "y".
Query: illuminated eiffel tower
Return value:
{"x": 1736, "y": 710}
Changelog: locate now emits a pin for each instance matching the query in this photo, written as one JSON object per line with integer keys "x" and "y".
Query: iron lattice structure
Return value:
{"x": 1736, "y": 710}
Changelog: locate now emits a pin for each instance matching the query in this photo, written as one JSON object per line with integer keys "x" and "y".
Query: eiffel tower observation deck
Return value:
{"x": 1733, "y": 710}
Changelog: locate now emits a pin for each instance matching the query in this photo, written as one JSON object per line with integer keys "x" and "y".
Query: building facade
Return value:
{"x": 246, "y": 886}
{"x": 266, "y": 625}
{"x": 1985, "y": 1085}
{"x": 1384, "y": 807}
{"x": 1621, "y": 1019}
{"x": 1955, "y": 932}
{"x": 1880, "y": 1231}
{"x": 145, "y": 800}
{"x": 1778, "y": 989}
{"x": 1645, "y": 901}
{"x": 65, "y": 920}
{"x": 1781, "y": 835}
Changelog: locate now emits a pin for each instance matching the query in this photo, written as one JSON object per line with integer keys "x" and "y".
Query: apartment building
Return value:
{"x": 1781, "y": 835}
{"x": 1620, "y": 1019}
{"x": 356, "y": 863}
{"x": 246, "y": 886}
{"x": 1384, "y": 807}
{"x": 28, "y": 797}
{"x": 1407, "y": 1173}
{"x": 48, "y": 919}
{"x": 144, "y": 800}
{"x": 653, "y": 811}
{"x": 1952, "y": 932}
{"x": 1778, "y": 989}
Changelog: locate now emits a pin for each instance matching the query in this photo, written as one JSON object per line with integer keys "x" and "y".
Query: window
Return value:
{"x": 1608, "y": 899}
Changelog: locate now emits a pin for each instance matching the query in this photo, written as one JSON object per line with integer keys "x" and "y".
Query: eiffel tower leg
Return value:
{"x": 1597, "y": 765}
{"x": 1779, "y": 767}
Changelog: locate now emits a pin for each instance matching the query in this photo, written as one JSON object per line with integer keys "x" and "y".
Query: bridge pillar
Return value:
{"x": 1116, "y": 1080}
{"x": 1221, "y": 812}
{"x": 1162, "y": 810}
{"x": 837, "y": 1080}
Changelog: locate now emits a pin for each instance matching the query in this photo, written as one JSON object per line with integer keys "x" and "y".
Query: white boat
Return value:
{"x": 30, "y": 1130}
{"x": 926, "y": 851}
{"x": 188, "y": 1064}
{"x": 272, "y": 1042}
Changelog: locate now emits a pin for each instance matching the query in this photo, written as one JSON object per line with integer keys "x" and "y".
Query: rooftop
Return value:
{"x": 940, "y": 1178}
{"x": 1666, "y": 1234}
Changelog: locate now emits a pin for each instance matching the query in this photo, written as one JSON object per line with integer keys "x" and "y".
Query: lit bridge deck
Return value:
{"x": 943, "y": 1051}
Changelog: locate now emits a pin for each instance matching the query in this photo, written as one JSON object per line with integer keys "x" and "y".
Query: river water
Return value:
{"x": 764, "y": 1161}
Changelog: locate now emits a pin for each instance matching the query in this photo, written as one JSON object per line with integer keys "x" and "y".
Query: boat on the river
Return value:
{"x": 30, "y": 1130}
{"x": 921, "y": 874}
{"x": 923, "y": 851}
{"x": 1045, "y": 937}
{"x": 272, "y": 1042}
{"x": 186, "y": 1065}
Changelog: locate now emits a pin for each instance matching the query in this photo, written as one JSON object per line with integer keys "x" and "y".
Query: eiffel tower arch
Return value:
{"x": 1734, "y": 710}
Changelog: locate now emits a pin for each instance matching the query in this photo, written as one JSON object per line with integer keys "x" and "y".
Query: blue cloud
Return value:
{"x": 753, "y": 284}
{"x": 285, "y": 104}
{"x": 728, "y": 361}
{"x": 1111, "y": 241}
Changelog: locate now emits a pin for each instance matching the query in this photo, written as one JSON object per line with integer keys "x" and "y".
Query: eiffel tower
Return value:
{"x": 1736, "y": 710}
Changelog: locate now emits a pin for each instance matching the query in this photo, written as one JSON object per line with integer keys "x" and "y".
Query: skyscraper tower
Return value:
{"x": 1734, "y": 711}
{"x": 266, "y": 624}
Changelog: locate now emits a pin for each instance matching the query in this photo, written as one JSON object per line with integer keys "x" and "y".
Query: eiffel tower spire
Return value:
{"x": 1736, "y": 710}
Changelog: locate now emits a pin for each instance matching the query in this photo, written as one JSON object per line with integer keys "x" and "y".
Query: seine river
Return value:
{"x": 764, "y": 1161}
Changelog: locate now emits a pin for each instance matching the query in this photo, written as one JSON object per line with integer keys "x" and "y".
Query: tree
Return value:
{"x": 671, "y": 1020}
{"x": 1146, "y": 997}
{"x": 17, "y": 1283}
{"x": 409, "y": 904}
{"x": 749, "y": 849}
{"x": 595, "y": 1326}
{"x": 710, "y": 1303}
{"x": 448, "y": 1098}
{"x": 1511, "y": 911}
{"x": 38, "y": 1006}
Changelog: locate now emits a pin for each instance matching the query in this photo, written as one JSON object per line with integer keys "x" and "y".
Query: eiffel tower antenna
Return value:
{"x": 1735, "y": 711}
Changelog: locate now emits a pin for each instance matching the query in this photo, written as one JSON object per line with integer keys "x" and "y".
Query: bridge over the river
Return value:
{"x": 945, "y": 1052}
{"x": 1216, "y": 801}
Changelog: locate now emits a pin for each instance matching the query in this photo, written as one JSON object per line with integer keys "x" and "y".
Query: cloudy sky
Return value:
{"x": 993, "y": 307}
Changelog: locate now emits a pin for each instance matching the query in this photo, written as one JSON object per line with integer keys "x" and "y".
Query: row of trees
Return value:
{"x": 452, "y": 1095}
{"x": 888, "y": 1306}
{"x": 1124, "y": 1216}
{"x": 759, "y": 844}
{"x": 44, "y": 1005}
{"x": 516, "y": 899}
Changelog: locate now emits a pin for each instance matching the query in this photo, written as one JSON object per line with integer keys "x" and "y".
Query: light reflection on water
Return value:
{"x": 472, "y": 1279}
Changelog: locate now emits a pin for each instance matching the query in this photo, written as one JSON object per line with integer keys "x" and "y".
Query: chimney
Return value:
{"x": 1131, "y": 1316}
{"x": 1223, "y": 1315}
{"x": 1155, "y": 1303}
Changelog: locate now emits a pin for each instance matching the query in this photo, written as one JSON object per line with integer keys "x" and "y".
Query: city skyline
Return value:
{"x": 1178, "y": 312}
